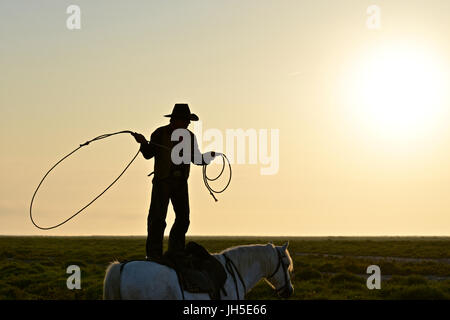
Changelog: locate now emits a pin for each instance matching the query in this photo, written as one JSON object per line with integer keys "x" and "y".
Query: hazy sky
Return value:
{"x": 363, "y": 114}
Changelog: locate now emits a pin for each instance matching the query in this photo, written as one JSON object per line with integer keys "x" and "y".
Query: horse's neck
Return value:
{"x": 252, "y": 263}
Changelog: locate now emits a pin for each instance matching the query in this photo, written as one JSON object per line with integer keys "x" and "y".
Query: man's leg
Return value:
{"x": 156, "y": 221}
{"x": 180, "y": 202}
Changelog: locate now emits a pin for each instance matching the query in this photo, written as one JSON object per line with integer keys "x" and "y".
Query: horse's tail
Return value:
{"x": 111, "y": 284}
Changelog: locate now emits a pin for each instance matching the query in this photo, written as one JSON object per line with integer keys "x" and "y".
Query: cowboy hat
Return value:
{"x": 181, "y": 111}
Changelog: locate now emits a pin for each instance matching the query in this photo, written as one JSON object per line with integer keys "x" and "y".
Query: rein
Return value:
{"x": 229, "y": 265}
{"x": 280, "y": 263}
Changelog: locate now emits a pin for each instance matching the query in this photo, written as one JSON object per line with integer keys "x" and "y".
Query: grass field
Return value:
{"x": 324, "y": 268}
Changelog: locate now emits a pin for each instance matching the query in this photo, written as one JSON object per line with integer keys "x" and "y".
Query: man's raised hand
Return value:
{"x": 139, "y": 138}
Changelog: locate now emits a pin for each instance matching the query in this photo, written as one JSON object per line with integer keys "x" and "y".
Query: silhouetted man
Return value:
{"x": 170, "y": 181}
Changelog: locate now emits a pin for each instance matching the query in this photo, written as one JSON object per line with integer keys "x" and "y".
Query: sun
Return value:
{"x": 398, "y": 91}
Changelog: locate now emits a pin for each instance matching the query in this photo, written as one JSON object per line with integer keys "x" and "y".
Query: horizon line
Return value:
{"x": 243, "y": 236}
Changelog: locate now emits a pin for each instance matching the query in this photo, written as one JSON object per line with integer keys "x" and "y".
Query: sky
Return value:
{"x": 361, "y": 111}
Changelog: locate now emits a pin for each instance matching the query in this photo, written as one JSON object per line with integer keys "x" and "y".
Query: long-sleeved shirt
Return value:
{"x": 160, "y": 147}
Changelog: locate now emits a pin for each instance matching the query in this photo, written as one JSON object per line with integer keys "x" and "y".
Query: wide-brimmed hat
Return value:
{"x": 181, "y": 111}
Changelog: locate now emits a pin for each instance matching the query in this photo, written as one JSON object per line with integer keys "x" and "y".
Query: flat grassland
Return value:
{"x": 324, "y": 267}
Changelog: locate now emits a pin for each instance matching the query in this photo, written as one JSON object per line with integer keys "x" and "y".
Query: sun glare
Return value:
{"x": 398, "y": 92}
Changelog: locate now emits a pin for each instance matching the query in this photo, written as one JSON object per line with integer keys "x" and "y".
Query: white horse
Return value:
{"x": 245, "y": 266}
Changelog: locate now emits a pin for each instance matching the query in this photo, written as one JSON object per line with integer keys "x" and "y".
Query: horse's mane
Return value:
{"x": 244, "y": 247}
{"x": 254, "y": 251}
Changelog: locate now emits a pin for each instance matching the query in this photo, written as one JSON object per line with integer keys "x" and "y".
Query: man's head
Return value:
{"x": 179, "y": 123}
{"x": 181, "y": 116}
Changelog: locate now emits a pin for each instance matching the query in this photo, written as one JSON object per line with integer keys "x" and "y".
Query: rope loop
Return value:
{"x": 92, "y": 201}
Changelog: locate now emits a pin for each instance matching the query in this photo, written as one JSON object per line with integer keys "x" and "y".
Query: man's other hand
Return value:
{"x": 140, "y": 138}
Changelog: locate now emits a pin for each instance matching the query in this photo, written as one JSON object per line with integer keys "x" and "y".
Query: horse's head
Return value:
{"x": 280, "y": 277}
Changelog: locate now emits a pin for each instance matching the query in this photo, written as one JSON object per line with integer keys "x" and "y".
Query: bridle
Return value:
{"x": 280, "y": 263}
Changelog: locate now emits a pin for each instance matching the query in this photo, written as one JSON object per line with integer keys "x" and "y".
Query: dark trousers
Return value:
{"x": 175, "y": 190}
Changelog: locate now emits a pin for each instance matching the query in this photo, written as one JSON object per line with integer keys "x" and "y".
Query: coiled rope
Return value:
{"x": 206, "y": 179}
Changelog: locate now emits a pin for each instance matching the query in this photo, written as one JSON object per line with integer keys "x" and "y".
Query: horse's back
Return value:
{"x": 149, "y": 280}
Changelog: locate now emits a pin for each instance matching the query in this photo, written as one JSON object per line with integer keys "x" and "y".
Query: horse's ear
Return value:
{"x": 285, "y": 246}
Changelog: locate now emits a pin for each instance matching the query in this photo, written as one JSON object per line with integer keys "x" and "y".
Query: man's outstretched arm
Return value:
{"x": 199, "y": 158}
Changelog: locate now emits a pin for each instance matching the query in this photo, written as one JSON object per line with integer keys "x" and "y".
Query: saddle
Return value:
{"x": 198, "y": 271}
